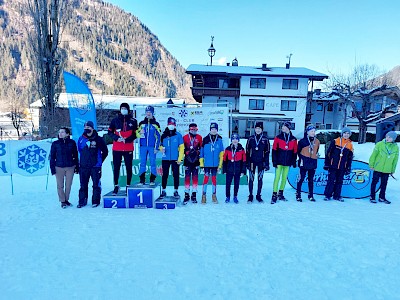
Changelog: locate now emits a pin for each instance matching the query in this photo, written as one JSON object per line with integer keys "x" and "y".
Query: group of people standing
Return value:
{"x": 208, "y": 152}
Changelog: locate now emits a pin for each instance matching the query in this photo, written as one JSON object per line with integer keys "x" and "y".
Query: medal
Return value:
{"x": 286, "y": 147}
{"x": 212, "y": 143}
{"x": 257, "y": 142}
{"x": 191, "y": 147}
{"x": 342, "y": 148}
{"x": 341, "y": 154}
{"x": 232, "y": 160}
{"x": 256, "y": 148}
{"x": 212, "y": 148}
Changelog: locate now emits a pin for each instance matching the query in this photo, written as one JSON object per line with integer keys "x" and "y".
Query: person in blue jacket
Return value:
{"x": 149, "y": 141}
{"x": 211, "y": 158}
{"x": 93, "y": 151}
{"x": 172, "y": 149}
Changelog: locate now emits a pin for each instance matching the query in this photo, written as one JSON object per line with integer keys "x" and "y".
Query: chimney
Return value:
{"x": 287, "y": 66}
{"x": 228, "y": 64}
{"x": 235, "y": 62}
{"x": 264, "y": 67}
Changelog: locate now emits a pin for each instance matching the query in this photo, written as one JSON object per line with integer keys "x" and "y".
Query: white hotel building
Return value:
{"x": 271, "y": 95}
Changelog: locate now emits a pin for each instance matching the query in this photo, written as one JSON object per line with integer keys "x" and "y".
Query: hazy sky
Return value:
{"x": 322, "y": 35}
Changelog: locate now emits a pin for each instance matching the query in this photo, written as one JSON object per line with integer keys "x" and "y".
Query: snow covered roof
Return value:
{"x": 393, "y": 118}
{"x": 323, "y": 96}
{"x": 114, "y": 101}
{"x": 257, "y": 71}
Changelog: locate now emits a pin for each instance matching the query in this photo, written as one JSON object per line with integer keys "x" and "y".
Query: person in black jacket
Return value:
{"x": 234, "y": 166}
{"x": 308, "y": 157}
{"x": 257, "y": 156}
{"x": 284, "y": 154}
{"x": 93, "y": 151}
{"x": 123, "y": 131}
{"x": 63, "y": 164}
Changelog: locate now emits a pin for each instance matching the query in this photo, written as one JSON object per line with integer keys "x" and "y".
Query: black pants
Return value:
{"x": 303, "y": 173}
{"x": 117, "y": 159}
{"x": 84, "y": 176}
{"x": 236, "y": 179}
{"x": 334, "y": 184}
{"x": 175, "y": 173}
{"x": 384, "y": 180}
{"x": 260, "y": 175}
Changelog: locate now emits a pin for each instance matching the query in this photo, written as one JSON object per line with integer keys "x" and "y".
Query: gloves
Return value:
{"x": 53, "y": 171}
{"x": 326, "y": 168}
{"x": 76, "y": 170}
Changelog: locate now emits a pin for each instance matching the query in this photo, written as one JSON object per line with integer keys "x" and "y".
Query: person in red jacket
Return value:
{"x": 284, "y": 155}
{"x": 123, "y": 131}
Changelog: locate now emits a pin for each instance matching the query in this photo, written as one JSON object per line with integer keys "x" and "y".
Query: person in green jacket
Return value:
{"x": 383, "y": 162}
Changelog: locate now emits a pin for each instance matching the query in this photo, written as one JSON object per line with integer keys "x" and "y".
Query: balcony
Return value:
{"x": 205, "y": 91}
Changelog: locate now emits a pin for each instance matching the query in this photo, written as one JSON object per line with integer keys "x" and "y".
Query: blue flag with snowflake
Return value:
{"x": 80, "y": 103}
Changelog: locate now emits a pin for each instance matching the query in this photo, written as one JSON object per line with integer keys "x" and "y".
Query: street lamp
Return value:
{"x": 211, "y": 50}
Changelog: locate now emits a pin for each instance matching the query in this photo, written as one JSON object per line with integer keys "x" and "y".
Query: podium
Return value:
{"x": 167, "y": 202}
{"x": 115, "y": 201}
{"x": 142, "y": 196}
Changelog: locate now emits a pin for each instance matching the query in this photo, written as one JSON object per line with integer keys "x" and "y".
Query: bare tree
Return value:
{"x": 17, "y": 117}
{"x": 361, "y": 86}
{"x": 44, "y": 38}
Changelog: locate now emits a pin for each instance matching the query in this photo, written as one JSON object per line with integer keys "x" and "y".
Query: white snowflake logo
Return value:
{"x": 31, "y": 159}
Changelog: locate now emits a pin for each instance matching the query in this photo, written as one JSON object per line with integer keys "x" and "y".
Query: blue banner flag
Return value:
{"x": 357, "y": 184}
{"x": 80, "y": 103}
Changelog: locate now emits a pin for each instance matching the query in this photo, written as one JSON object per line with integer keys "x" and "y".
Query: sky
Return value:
{"x": 326, "y": 36}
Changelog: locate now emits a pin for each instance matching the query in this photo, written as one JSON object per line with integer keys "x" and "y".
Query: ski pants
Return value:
{"x": 175, "y": 173}
{"x": 281, "y": 174}
{"x": 310, "y": 178}
{"x": 334, "y": 184}
{"x": 84, "y": 175}
{"x": 252, "y": 174}
{"x": 236, "y": 180}
{"x": 144, "y": 151}
{"x": 191, "y": 171}
{"x": 384, "y": 177}
{"x": 117, "y": 160}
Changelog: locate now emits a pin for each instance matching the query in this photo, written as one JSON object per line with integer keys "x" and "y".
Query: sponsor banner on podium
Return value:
{"x": 355, "y": 185}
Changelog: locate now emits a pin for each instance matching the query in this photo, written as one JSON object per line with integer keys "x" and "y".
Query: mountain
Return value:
{"x": 107, "y": 47}
{"x": 393, "y": 76}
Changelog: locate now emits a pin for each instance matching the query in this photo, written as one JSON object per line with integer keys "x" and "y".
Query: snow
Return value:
{"x": 291, "y": 250}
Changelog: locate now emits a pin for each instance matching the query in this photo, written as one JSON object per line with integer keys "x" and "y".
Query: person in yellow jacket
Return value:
{"x": 211, "y": 159}
{"x": 172, "y": 149}
{"x": 383, "y": 162}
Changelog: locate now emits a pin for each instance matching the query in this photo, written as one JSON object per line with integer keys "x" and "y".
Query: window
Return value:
{"x": 377, "y": 106}
{"x": 258, "y": 83}
{"x": 320, "y": 107}
{"x": 358, "y": 106}
{"x": 329, "y": 107}
{"x": 328, "y": 126}
{"x": 256, "y": 104}
{"x": 287, "y": 105}
{"x": 290, "y": 84}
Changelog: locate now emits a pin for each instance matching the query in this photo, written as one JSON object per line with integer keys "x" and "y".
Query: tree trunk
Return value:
{"x": 362, "y": 132}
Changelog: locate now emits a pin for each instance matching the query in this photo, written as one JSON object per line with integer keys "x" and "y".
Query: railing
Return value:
{"x": 204, "y": 91}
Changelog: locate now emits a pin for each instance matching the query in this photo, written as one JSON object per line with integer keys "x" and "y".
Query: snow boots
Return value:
{"x": 274, "y": 198}
{"x": 193, "y": 198}
{"x": 214, "y": 199}
{"x": 280, "y": 196}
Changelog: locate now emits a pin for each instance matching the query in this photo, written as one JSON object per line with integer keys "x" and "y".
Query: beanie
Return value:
{"x": 346, "y": 129}
{"x": 287, "y": 124}
{"x": 392, "y": 134}
{"x": 150, "y": 109}
{"x": 260, "y": 125}
{"x": 193, "y": 126}
{"x": 235, "y": 136}
{"x": 214, "y": 125}
{"x": 310, "y": 127}
{"x": 171, "y": 121}
{"x": 89, "y": 124}
{"x": 125, "y": 105}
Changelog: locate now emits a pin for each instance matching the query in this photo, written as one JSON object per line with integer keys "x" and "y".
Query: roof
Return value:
{"x": 114, "y": 101}
{"x": 324, "y": 96}
{"x": 393, "y": 118}
{"x": 256, "y": 71}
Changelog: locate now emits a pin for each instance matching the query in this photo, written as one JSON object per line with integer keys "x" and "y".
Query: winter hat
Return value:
{"x": 392, "y": 134}
{"x": 150, "y": 109}
{"x": 214, "y": 125}
{"x": 124, "y": 105}
{"x": 346, "y": 129}
{"x": 235, "y": 136}
{"x": 171, "y": 121}
{"x": 287, "y": 124}
{"x": 260, "y": 125}
{"x": 89, "y": 124}
{"x": 310, "y": 127}
{"x": 193, "y": 126}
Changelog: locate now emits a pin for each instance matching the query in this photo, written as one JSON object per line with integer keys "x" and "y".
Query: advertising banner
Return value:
{"x": 355, "y": 185}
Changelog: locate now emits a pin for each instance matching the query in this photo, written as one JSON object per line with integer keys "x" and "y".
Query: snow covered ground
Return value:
{"x": 322, "y": 250}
